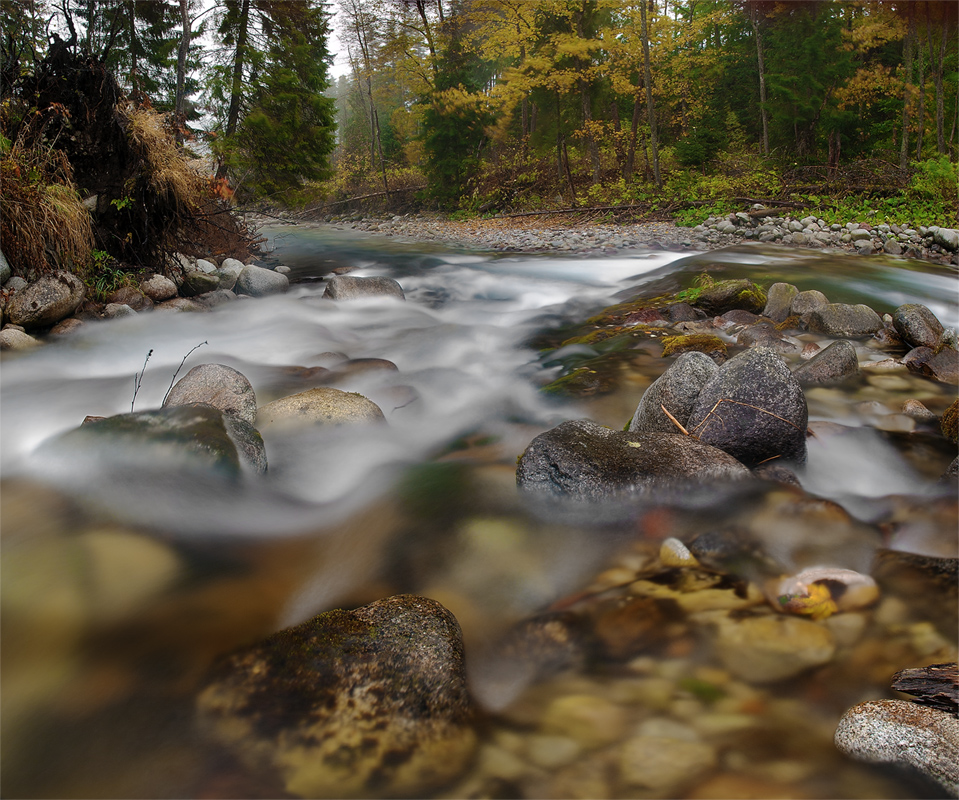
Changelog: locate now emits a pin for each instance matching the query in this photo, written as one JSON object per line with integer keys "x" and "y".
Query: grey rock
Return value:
{"x": 182, "y": 438}
{"x": 66, "y": 326}
{"x": 917, "y": 325}
{"x": 132, "y": 297}
{"x": 804, "y": 302}
{"x": 44, "y": 303}
{"x": 841, "y": 319}
{"x": 5, "y": 270}
{"x": 585, "y": 461}
{"x": 320, "y": 406}
{"x": 903, "y": 733}
{"x": 347, "y": 287}
{"x": 947, "y": 238}
{"x": 219, "y": 386}
{"x": 15, "y": 284}
{"x": 942, "y": 366}
{"x": 860, "y": 235}
{"x": 228, "y": 272}
{"x": 366, "y": 703}
{"x": 216, "y": 298}
{"x": 197, "y": 283}
{"x": 118, "y": 310}
{"x": 765, "y": 335}
{"x": 832, "y": 365}
{"x": 13, "y": 339}
{"x": 249, "y": 444}
{"x": 779, "y": 300}
{"x": 865, "y": 248}
{"x": 892, "y": 247}
{"x": 676, "y": 389}
{"x": 207, "y": 267}
{"x": 754, "y": 409}
{"x": 158, "y": 288}
{"x": 180, "y": 304}
{"x": 259, "y": 282}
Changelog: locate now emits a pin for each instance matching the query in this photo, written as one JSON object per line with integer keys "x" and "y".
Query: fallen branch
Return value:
{"x": 675, "y": 421}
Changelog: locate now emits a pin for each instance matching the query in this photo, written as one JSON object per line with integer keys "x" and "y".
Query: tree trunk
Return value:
{"x": 180, "y": 98}
{"x": 922, "y": 94}
{"x": 907, "y": 59}
{"x": 940, "y": 93}
{"x": 630, "y": 164}
{"x": 763, "y": 113}
{"x": 587, "y": 106}
{"x": 650, "y": 109}
{"x": 239, "y": 62}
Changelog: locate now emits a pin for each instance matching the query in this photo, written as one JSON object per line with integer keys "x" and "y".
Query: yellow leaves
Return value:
{"x": 868, "y": 86}
{"x": 818, "y": 604}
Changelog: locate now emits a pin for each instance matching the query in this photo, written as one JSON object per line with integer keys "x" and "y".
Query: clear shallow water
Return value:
{"x": 120, "y": 602}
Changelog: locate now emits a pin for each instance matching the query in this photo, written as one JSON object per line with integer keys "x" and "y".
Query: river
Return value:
{"x": 120, "y": 589}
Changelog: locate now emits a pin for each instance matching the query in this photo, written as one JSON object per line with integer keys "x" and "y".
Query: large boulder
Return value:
{"x": 917, "y": 325}
{"x": 45, "y": 302}
{"x": 724, "y": 296}
{"x": 832, "y": 365}
{"x": 676, "y": 390}
{"x": 585, "y": 461}
{"x": 259, "y": 282}
{"x": 754, "y": 409}
{"x": 219, "y": 386}
{"x": 844, "y": 320}
{"x": 365, "y": 703}
{"x": 320, "y": 406}
{"x": 184, "y": 438}
{"x": 346, "y": 287}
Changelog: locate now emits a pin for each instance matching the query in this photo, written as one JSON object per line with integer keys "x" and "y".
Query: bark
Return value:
{"x": 650, "y": 108}
{"x": 940, "y": 93}
{"x": 907, "y": 59}
{"x": 180, "y": 99}
{"x": 630, "y": 164}
{"x": 922, "y": 94}
{"x": 763, "y": 113}
{"x": 239, "y": 63}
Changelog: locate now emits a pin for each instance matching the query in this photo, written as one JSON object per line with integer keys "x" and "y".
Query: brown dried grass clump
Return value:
{"x": 44, "y": 226}
{"x": 170, "y": 174}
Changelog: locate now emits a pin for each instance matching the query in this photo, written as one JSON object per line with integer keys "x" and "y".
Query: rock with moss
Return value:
{"x": 46, "y": 301}
{"x": 364, "y": 703}
{"x": 706, "y": 343}
{"x": 754, "y": 409}
{"x": 675, "y": 390}
{"x": 950, "y": 422}
{"x": 588, "y": 462}
{"x": 832, "y": 365}
{"x": 722, "y": 296}
{"x": 193, "y": 438}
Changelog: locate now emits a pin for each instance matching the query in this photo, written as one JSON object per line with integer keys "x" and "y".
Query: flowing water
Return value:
{"x": 120, "y": 588}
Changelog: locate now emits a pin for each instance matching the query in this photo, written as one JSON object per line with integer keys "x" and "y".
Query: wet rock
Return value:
{"x": 765, "y": 335}
{"x": 590, "y": 720}
{"x": 779, "y": 300}
{"x": 118, "y": 310}
{"x": 676, "y": 389}
{"x": 887, "y": 337}
{"x": 754, "y": 409}
{"x": 364, "y": 703}
{"x": 179, "y": 437}
{"x": 216, "y": 385}
{"x": 586, "y": 461}
{"x": 712, "y": 346}
{"x": 66, "y": 326}
{"x": 158, "y": 288}
{"x": 724, "y": 296}
{"x": 929, "y": 585}
{"x": 44, "y": 303}
{"x": 259, "y": 282}
{"x": 129, "y": 296}
{"x": 805, "y": 302}
{"x": 346, "y": 287}
{"x": 196, "y": 282}
{"x": 917, "y": 325}
{"x": 949, "y": 424}
{"x": 13, "y": 339}
{"x": 683, "y": 312}
{"x": 918, "y": 411}
{"x": 830, "y": 366}
{"x": 736, "y": 317}
{"x": 180, "y": 304}
{"x": 320, "y": 406}
{"x": 819, "y": 592}
{"x": 216, "y": 298}
{"x": 664, "y": 765}
{"x": 843, "y": 320}
{"x": 763, "y": 649}
{"x": 906, "y": 734}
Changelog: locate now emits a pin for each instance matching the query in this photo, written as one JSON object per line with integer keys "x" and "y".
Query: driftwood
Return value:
{"x": 936, "y": 685}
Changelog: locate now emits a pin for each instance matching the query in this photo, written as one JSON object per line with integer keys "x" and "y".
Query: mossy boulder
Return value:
{"x": 706, "y": 343}
{"x": 718, "y": 297}
{"x": 364, "y": 703}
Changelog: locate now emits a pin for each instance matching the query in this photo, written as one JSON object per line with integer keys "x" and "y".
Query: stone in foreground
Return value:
{"x": 347, "y": 287}
{"x": 320, "y": 406}
{"x": 754, "y": 409}
{"x": 676, "y": 390}
{"x": 364, "y": 703}
{"x": 585, "y": 461}
{"x": 216, "y": 385}
{"x": 906, "y": 734}
{"x": 832, "y": 365}
{"x": 844, "y": 320}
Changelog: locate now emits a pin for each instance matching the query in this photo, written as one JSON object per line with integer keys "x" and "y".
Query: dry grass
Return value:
{"x": 44, "y": 226}
{"x": 170, "y": 173}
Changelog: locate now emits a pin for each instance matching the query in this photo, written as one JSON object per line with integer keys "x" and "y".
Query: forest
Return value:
{"x": 142, "y": 126}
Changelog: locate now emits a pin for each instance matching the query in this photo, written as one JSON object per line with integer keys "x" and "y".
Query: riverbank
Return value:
{"x": 583, "y": 235}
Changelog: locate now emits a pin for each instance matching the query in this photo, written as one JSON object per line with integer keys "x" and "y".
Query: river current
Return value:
{"x": 121, "y": 588}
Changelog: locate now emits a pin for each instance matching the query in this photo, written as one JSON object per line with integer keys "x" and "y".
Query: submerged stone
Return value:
{"x": 364, "y": 703}
{"x": 832, "y": 365}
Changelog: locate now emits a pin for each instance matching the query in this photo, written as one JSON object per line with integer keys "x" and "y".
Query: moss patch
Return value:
{"x": 950, "y": 422}
{"x": 712, "y": 346}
